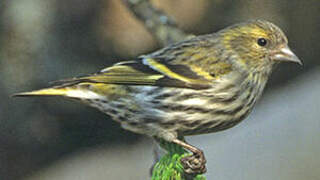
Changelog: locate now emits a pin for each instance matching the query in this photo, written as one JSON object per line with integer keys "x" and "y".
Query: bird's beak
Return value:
{"x": 285, "y": 54}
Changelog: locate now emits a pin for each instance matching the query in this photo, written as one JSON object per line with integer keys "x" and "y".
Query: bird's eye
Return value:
{"x": 262, "y": 42}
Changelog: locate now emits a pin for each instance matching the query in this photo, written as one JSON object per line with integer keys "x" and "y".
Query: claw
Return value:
{"x": 194, "y": 164}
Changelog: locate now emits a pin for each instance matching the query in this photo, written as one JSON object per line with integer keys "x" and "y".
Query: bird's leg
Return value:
{"x": 195, "y": 163}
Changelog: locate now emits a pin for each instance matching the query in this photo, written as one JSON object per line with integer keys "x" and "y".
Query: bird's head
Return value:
{"x": 258, "y": 44}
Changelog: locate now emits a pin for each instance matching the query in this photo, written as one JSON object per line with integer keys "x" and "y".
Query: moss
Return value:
{"x": 169, "y": 166}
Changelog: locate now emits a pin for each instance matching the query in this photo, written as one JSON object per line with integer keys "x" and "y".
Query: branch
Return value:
{"x": 163, "y": 27}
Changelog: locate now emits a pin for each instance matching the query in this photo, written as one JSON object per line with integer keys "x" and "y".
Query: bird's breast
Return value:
{"x": 218, "y": 108}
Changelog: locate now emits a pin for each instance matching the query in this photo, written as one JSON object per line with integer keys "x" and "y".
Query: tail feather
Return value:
{"x": 44, "y": 92}
{"x": 72, "y": 92}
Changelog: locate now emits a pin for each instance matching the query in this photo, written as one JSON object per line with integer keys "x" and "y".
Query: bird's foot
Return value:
{"x": 195, "y": 163}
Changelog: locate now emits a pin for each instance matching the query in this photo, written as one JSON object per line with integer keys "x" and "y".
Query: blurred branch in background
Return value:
{"x": 162, "y": 26}
{"x": 119, "y": 27}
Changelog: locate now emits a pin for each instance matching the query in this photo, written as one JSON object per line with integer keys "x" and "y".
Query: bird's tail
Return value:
{"x": 72, "y": 92}
{"x": 45, "y": 92}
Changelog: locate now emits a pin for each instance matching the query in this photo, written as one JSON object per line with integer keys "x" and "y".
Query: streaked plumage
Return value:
{"x": 205, "y": 84}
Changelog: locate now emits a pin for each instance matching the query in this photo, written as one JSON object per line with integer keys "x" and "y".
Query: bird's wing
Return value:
{"x": 188, "y": 64}
{"x": 191, "y": 64}
{"x": 145, "y": 71}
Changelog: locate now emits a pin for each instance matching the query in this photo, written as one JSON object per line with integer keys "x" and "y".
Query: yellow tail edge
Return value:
{"x": 43, "y": 92}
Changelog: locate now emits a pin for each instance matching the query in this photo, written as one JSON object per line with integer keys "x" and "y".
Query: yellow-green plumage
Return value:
{"x": 201, "y": 85}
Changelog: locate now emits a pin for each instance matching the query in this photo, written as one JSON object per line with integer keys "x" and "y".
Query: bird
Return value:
{"x": 204, "y": 84}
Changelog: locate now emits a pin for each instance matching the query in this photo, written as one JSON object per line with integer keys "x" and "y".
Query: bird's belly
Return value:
{"x": 202, "y": 113}
{"x": 185, "y": 111}
{"x": 212, "y": 124}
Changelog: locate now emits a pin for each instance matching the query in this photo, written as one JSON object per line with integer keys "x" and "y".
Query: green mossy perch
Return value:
{"x": 169, "y": 166}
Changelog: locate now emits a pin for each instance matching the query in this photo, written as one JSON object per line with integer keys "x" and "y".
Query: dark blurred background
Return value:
{"x": 53, "y": 138}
